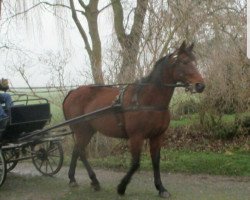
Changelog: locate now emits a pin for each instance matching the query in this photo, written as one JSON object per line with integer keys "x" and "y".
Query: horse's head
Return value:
{"x": 185, "y": 68}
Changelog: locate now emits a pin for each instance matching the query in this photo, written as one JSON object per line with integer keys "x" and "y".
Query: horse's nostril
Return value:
{"x": 199, "y": 87}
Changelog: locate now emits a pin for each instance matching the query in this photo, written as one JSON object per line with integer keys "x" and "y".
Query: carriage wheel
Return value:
{"x": 48, "y": 157}
{"x": 3, "y": 170}
{"x": 8, "y": 156}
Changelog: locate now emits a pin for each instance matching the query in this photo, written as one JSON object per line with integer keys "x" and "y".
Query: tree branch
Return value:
{"x": 170, "y": 37}
{"x": 80, "y": 28}
{"x": 118, "y": 21}
{"x": 139, "y": 16}
{"x": 41, "y": 3}
{"x": 0, "y": 7}
{"x": 82, "y": 4}
{"x": 102, "y": 9}
{"x": 4, "y": 46}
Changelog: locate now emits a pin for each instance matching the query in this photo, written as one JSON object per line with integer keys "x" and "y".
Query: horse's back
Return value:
{"x": 86, "y": 99}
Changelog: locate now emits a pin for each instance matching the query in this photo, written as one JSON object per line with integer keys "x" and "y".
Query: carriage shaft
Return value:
{"x": 85, "y": 117}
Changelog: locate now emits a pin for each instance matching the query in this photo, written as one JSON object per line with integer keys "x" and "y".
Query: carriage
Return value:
{"x": 19, "y": 141}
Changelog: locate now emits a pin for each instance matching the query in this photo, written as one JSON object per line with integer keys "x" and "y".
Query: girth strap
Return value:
{"x": 136, "y": 108}
{"x": 119, "y": 102}
{"x": 132, "y": 108}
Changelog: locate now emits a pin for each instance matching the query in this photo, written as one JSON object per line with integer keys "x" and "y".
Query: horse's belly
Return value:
{"x": 110, "y": 125}
{"x": 147, "y": 124}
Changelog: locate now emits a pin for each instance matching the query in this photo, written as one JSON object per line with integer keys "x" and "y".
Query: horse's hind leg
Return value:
{"x": 75, "y": 155}
{"x": 135, "y": 148}
{"x": 95, "y": 183}
{"x": 82, "y": 139}
{"x": 155, "y": 147}
{"x": 72, "y": 167}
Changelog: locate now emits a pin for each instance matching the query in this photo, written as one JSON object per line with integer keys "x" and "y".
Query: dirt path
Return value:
{"x": 25, "y": 183}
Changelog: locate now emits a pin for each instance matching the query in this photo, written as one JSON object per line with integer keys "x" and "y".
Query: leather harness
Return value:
{"x": 135, "y": 106}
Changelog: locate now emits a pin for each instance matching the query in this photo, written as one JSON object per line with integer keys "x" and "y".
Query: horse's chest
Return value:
{"x": 146, "y": 122}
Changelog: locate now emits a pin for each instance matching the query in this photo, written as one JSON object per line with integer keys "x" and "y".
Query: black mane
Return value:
{"x": 155, "y": 76}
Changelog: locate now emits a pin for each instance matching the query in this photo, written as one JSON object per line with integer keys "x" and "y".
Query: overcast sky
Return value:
{"x": 33, "y": 43}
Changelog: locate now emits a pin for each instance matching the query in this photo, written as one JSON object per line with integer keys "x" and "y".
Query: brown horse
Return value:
{"x": 144, "y": 112}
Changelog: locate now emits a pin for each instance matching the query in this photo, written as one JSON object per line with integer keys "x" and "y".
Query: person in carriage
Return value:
{"x": 5, "y": 99}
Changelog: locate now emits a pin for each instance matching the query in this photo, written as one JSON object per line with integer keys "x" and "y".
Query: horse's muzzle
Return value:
{"x": 196, "y": 87}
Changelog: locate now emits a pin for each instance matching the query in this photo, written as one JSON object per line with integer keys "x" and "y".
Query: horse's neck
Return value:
{"x": 156, "y": 93}
{"x": 158, "y": 96}
{"x": 165, "y": 92}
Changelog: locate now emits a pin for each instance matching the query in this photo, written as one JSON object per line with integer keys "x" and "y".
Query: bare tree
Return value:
{"x": 0, "y": 7}
{"x": 129, "y": 42}
{"x": 94, "y": 49}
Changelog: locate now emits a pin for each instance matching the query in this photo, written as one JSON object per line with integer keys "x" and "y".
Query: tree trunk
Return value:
{"x": 0, "y": 8}
{"x": 129, "y": 61}
{"x": 96, "y": 57}
{"x": 94, "y": 51}
{"x": 129, "y": 42}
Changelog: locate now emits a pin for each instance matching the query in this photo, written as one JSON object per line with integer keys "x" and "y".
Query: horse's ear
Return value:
{"x": 190, "y": 48}
{"x": 183, "y": 46}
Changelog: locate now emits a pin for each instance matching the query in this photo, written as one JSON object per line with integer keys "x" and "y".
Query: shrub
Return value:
{"x": 184, "y": 104}
{"x": 189, "y": 106}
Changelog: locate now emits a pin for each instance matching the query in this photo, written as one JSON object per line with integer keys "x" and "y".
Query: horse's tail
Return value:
{"x": 63, "y": 107}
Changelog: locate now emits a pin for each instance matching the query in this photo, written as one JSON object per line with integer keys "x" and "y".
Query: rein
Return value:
{"x": 136, "y": 107}
{"x": 142, "y": 84}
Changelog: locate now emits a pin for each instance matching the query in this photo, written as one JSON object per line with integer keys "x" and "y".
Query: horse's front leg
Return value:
{"x": 135, "y": 148}
{"x": 155, "y": 148}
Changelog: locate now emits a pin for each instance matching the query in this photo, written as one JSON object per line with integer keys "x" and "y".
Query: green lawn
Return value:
{"x": 232, "y": 164}
{"x": 192, "y": 119}
{"x": 184, "y": 121}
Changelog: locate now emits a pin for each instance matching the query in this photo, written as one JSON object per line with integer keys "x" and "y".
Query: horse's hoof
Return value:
{"x": 121, "y": 190}
{"x": 73, "y": 184}
{"x": 96, "y": 186}
{"x": 164, "y": 194}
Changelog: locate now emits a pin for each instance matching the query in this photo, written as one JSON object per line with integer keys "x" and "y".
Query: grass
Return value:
{"x": 230, "y": 164}
{"x": 184, "y": 121}
{"x": 191, "y": 119}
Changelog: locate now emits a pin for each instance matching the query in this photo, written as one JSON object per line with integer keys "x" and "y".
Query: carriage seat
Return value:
{"x": 29, "y": 113}
{"x": 27, "y": 118}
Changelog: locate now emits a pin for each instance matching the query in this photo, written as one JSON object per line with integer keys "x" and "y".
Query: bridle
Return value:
{"x": 123, "y": 86}
{"x": 138, "y": 84}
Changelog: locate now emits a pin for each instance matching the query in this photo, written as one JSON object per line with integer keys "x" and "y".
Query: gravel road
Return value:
{"x": 25, "y": 183}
